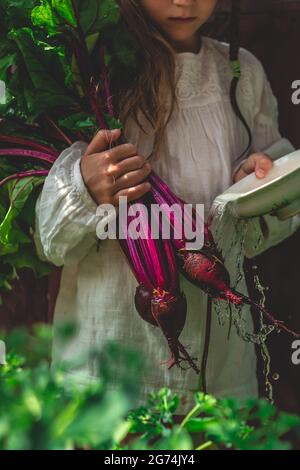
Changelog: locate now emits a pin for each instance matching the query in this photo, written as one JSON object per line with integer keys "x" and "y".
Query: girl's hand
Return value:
{"x": 99, "y": 166}
{"x": 259, "y": 162}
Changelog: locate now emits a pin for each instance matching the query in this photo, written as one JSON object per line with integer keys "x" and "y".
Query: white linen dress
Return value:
{"x": 197, "y": 160}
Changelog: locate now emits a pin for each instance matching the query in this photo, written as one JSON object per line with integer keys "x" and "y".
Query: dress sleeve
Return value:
{"x": 265, "y": 131}
{"x": 266, "y": 231}
{"x": 67, "y": 224}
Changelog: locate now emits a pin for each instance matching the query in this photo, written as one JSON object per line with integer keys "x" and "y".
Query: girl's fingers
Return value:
{"x": 259, "y": 163}
{"x": 130, "y": 164}
{"x": 125, "y": 166}
{"x": 263, "y": 166}
{"x": 132, "y": 178}
{"x": 120, "y": 152}
{"x": 249, "y": 165}
{"x": 102, "y": 141}
{"x": 132, "y": 193}
{"x": 240, "y": 175}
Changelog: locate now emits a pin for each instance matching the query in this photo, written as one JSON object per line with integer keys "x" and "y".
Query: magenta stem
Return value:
{"x": 59, "y": 131}
{"x": 22, "y": 175}
{"x": 17, "y": 152}
{"x": 106, "y": 85}
{"x": 29, "y": 143}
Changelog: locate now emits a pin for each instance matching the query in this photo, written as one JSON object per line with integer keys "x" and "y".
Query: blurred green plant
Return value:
{"x": 40, "y": 408}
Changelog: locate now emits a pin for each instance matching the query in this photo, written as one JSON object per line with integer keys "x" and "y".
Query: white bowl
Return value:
{"x": 278, "y": 193}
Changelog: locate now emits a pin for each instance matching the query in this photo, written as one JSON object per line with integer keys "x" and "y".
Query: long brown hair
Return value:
{"x": 155, "y": 82}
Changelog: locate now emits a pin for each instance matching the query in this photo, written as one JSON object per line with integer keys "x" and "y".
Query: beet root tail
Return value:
{"x": 170, "y": 314}
{"x": 176, "y": 348}
{"x": 175, "y": 359}
{"x": 280, "y": 325}
{"x": 188, "y": 358}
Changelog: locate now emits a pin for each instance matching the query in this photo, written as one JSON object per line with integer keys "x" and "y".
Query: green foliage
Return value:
{"x": 17, "y": 209}
{"x": 50, "y": 63}
{"x": 18, "y": 193}
{"x": 250, "y": 425}
{"x": 40, "y": 408}
{"x": 53, "y": 14}
{"x": 43, "y": 408}
{"x": 254, "y": 424}
{"x": 48, "y": 46}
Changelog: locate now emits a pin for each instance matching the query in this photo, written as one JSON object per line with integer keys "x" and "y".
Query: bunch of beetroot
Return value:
{"x": 158, "y": 299}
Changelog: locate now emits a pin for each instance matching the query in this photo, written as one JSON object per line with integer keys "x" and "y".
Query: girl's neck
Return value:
{"x": 193, "y": 45}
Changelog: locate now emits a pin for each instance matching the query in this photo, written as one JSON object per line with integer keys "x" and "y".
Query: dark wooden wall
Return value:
{"x": 271, "y": 30}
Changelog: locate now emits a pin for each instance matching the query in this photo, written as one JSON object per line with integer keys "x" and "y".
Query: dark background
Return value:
{"x": 271, "y": 30}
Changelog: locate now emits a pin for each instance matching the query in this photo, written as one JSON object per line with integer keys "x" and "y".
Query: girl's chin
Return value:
{"x": 183, "y": 42}
{"x": 183, "y": 36}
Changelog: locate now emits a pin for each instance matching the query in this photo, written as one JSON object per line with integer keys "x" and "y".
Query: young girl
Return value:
{"x": 178, "y": 115}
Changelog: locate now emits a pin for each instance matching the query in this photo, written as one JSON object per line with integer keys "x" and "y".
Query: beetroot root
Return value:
{"x": 168, "y": 312}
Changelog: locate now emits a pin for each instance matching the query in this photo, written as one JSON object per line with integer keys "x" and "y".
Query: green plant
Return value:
{"x": 52, "y": 57}
{"x": 40, "y": 408}
{"x": 254, "y": 424}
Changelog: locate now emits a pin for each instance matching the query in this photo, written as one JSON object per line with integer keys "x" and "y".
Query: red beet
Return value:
{"x": 142, "y": 302}
{"x": 208, "y": 272}
{"x": 168, "y": 312}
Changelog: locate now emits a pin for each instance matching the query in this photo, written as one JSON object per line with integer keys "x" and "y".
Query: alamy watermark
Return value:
{"x": 138, "y": 221}
{"x": 296, "y": 93}
{"x": 296, "y": 353}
